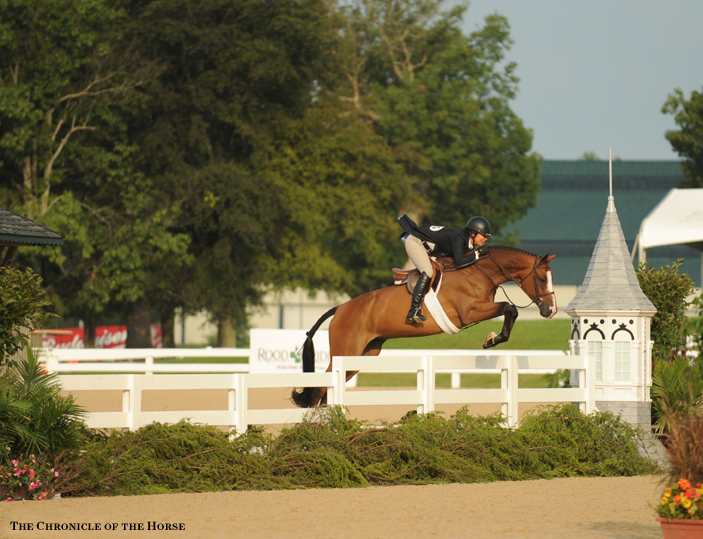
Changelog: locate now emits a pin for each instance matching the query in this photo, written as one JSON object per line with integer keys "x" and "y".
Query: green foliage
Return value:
{"x": 329, "y": 451}
{"x": 440, "y": 99}
{"x": 688, "y": 115}
{"x": 668, "y": 290}
{"x": 34, "y": 417}
{"x": 694, "y": 326}
{"x": 677, "y": 388}
{"x": 22, "y": 302}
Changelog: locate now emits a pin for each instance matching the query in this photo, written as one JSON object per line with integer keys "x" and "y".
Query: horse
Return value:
{"x": 361, "y": 325}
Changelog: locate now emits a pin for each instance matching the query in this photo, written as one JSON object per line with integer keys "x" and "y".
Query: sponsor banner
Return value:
{"x": 111, "y": 337}
{"x": 75, "y": 340}
{"x": 280, "y": 350}
{"x": 156, "y": 336}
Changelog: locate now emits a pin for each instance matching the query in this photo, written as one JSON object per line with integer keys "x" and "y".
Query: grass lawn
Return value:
{"x": 526, "y": 335}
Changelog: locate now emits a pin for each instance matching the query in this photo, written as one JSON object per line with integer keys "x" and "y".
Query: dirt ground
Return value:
{"x": 603, "y": 508}
{"x": 608, "y": 508}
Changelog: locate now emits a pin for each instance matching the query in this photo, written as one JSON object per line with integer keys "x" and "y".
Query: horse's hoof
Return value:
{"x": 490, "y": 340}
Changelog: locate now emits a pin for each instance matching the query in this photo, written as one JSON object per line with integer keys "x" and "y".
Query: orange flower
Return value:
{"x": 698, "y": 485}
{"x": 691, "y": 493}
{"x": 684, "y": 484}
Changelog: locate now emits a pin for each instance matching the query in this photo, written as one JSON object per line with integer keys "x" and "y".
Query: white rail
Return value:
{"x": 103, "y": 360}
{"x": 425, "y": 396}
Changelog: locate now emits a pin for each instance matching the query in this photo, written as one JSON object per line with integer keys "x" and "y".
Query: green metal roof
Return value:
{"x": 572, "y": 204}
{"x": 657, "y": 169}
{"x": 15, "y": 229}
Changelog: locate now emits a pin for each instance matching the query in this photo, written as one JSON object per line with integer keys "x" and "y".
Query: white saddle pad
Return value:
{"x": 437, "y": 312}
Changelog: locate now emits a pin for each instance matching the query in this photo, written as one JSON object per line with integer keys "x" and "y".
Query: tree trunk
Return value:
{"x": 226, "y": 331}
{"x": 168, "y": 328}
{"x": 139, "y": 326}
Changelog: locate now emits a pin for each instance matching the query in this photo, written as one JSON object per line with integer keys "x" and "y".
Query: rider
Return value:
{"x": 423, "y": 241}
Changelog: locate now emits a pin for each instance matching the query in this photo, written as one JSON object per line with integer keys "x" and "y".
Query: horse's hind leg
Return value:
{"x": 509, "y": 313}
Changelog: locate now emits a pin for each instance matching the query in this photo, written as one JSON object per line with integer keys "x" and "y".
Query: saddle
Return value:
{"x": 410, "y": 277}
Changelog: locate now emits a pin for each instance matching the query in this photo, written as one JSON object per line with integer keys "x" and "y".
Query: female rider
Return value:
{"x": 424, "y": 241}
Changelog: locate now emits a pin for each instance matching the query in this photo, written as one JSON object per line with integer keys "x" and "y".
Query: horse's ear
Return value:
{"x": 546, "y": 259}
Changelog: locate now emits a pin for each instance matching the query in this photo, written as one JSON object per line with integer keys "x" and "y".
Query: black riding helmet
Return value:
{"x": 479, "y": 225}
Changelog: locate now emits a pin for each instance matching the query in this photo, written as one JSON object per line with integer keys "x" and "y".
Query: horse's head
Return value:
{"x": 541, "y": 286}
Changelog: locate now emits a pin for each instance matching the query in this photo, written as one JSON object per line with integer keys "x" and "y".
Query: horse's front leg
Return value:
{"x": 509, "y": 313}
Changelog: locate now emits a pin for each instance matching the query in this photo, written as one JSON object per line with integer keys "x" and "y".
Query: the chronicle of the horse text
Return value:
{"x": 97, "y": 526}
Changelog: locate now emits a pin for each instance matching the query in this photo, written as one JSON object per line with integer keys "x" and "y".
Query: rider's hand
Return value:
{"x": 483, "y": 250}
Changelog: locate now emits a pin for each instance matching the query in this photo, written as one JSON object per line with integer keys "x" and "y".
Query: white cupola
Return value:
{"x": 610, "y": 320}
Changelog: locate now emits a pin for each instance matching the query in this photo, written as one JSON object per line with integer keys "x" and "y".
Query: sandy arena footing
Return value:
{"x": 602, "y": 508}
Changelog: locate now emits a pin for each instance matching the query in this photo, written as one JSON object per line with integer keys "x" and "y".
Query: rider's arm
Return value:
{"x": 460, "y": 259}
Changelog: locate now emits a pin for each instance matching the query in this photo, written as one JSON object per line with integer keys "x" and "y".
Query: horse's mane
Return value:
{"x": 449, "y": 266}
{"x": 508, "y": 248}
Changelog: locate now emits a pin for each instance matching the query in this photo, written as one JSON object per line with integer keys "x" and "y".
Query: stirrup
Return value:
{"x": 415, "y": 318}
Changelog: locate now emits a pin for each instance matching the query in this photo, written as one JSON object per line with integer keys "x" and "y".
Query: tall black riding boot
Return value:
{"x": 421, "y": 288}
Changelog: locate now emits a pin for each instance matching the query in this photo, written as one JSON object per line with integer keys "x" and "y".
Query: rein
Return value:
{"x": 537, "y": 300}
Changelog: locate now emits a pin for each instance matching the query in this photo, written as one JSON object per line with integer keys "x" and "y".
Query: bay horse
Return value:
{"x": 467, "y": 294}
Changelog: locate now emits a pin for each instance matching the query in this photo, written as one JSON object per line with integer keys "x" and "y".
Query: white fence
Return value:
{"x": 425, "y": 396}
{"x": 102, "y": 360}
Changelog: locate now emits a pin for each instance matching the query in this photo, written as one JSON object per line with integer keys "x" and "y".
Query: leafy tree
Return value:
{"x": 234, "y": 75}
{"x": 67, "y": 90}
{"x": 668, "y": 290}
{"x": 342, "y": 187}
{"x": 441, "y": 101}
{"x": 688, "y": 115}
{"x": 22, "y": 302}
{"x": 58, "y": 78}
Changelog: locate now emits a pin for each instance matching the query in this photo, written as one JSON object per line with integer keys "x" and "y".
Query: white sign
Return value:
{"x": 281, "y": 350}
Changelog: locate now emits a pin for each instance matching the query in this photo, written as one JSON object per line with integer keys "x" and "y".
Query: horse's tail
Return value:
{"x": 303, "y": 397}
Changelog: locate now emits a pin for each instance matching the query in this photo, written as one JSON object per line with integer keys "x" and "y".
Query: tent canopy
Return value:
{"x": 678, "y": 218}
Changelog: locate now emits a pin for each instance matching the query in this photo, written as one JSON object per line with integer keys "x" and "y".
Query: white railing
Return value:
{"x": 103, "y": 360}
{"x": 425, "y": 396}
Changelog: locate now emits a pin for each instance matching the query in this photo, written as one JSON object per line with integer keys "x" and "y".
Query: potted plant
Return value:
{"x": 680, "y": 509}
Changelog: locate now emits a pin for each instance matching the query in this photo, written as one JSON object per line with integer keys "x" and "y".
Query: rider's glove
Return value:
{"x": 483, "y": 250}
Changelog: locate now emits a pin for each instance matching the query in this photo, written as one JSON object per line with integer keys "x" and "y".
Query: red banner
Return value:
{"x": 156, "y": 336}
{"x": 111, "y": 337}
{"x": 76, "y": 339}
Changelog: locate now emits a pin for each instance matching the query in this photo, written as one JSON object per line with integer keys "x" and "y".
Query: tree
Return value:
{"x": 688, "y": 115}
{"x": 234, "y": 76}
{"x": 668, "y": 290}
{"x": 440, "y": 100}
{"x": 22, "y": 303}
{"x": 59, "y": 78}
{"x": 70, "y": 83}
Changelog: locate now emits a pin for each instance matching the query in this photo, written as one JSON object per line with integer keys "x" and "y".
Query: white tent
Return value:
{"x": 677, "y": 219}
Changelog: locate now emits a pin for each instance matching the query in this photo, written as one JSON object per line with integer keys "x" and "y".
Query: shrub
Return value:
{"x": 329, "y": 451}
{"x": 667, "y": 289}
{"x": 677, "y": 388}
{"x": 694, "y": 327}
{"x": 34, "y": 417}
{"x": 22, "y": 302}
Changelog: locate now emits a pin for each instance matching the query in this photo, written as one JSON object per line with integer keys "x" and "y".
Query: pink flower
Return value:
{"x": 32, "y": 486}
{"x": 9, "y": 500}
{"x": 15, "y": 463}
{"x": 43, "y": 496}
{"x": 56, "y": 474}
{"x": 31, "y": 474}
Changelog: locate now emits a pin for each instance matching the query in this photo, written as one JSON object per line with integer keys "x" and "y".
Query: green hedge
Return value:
{"x": 330, "y": 451}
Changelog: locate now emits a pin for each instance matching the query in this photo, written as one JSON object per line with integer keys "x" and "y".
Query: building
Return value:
{"x": 569, "y": 211}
